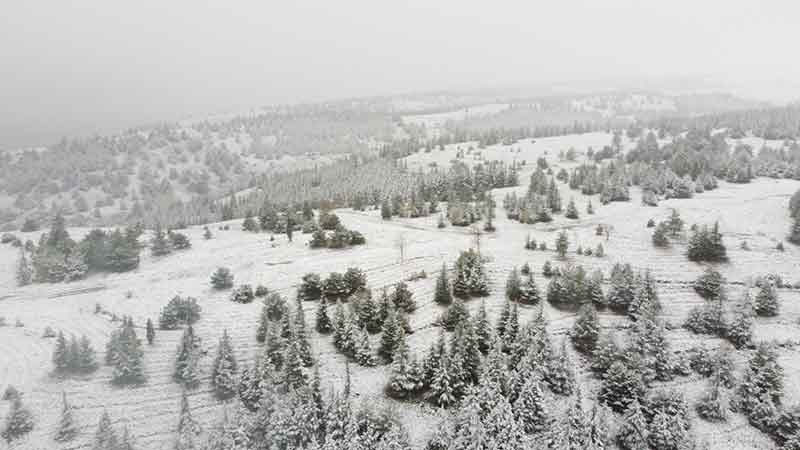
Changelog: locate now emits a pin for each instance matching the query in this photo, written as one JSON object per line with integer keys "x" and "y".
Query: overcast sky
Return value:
{"x": 74, "y": 67}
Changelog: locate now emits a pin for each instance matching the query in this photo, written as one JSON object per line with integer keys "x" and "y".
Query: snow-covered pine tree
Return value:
{"x": 571, "y": 432}
{"x": 511, "y": 328}
{"x": 572, "y": 210}
{"x": 442, "y": 293}
{"x": 433, "y": 360}
{"x": 67, "y": 426}
{"x": 363, "y": 354}
{"x": 293, "y": 368}
{"x": 586, "y": 329}
{"x": 24, "y": 273}
{"x": 405, "y": 378}
{"x": 188, "y": 429}
{"x": 222, "y": 278}
{"x": 61, "y": 357}
{"x": 223, "y": 373}
{"x": 323, "y": 322}
{"x": 151, "y": 332}
{"x": 740, "y": 327}
{"x": 187, "y": 359}
{"x": 263, "y": 323}
{"x": 483, "y": 330}
{"x": 562, "y": 244}
{"x": 85, "y": 360}
{"x": 392, "y": 334}
{"x": 620, "y": 387}
{"x": 446, "y": 383}
{"x": 633, "y": 434}
{"x": 529, "y": 292}
{"x": 502, "y": 320}
{"x": 105, "y": 438}
{"x": 464, "y": 350}
{"x": 274, "y": 348}
{"x": 530, "y": 407}
{"x": 767, "y": 303}
{"x": 714, "y": 405}
{"x": 128, "y": 356}
{"x": 160, "y": 245}
{"x": 300, "y": 336}
{"x": 709, "y": 284}
{"x": 126, "y": 441}
{"x": 455, "y": 314}
{"x": 513, "y": 286}
{"x": 19, "y": 421}
{"x": 560, "y": 375}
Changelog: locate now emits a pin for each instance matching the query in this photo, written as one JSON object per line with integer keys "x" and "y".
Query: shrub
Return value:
{"x": 222, "y": 278}
{"x": 243, "y": 294}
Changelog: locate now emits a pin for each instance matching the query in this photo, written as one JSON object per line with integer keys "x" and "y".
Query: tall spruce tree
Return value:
{"x": 586, "y": 329}
{"x": 151, "y": 332}
{"x": 67, "y": 426}
{"x": 442, "y": 294}
{"x": 127, "y": 356}
{"x": 223, "y": 374}
{"x": 19, "y": 421}
{"x": 188, "y": 429}
{"x": 105, "y": 438}
{"x": 323, "y": 321}
{"x": 187, "y": 360}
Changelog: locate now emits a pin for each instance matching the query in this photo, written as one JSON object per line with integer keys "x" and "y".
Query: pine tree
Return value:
{"x": 589, "y": 207}
{"x": 620, "y": 387}
{"x": 300, "y": 336}
{"x": 364, "y": 355}
{"x": 633, "y": 434}
{"x": 547, "y": 269}
{"x": 502, "y": 320}
{"x": 274, "y": 348}
{"x": 560, "y": 375}
{"x": 709, "y": 284}
{"x": 24, "y": 270}
{"x": 160, "y": 246}
{"x": 513, "y": 285}
{"x": 207, "y": 233}
{"x": 483, "y": 330}
{"x": 61, "y": 357}
{"x": 19, "y": 421}
{"x": 85, "y": 359}
{"x": 323, "y": 323}
{"x": 187, "y": 360}
{"x": 530, "y": 407}
{"x": 740, "y": 328}
{"x": 105, "y": 438}
{"x": 433, "y": 360}
{"x": 714, "y": 405}
{"x": 511, "y": 328}
{"x": 442, "y": 294}
{"x": 295, "y": 377}
{"x": 67, "y": 427}
{"x": 151, "y": 332}
{"x": 223, "y": 374}
{"x": 660, "y": 235}
{"x": 562, "y": 244}
{"x": 445, "y": 384}
{"x": 391, "y": 337}
{"x": 571, "y": 433}
{"x": 529, "y": 292}
{"x": 188, "y": 429}
{"x": 222, "y": 278}
{"x": 126, "y": 442}
{"x": 572, "y": 210}
{"x": 586, "y": 329}
{"x": 406, "y": 375}
{"x": 454, "y": 315}
{"x": 794, "y": 231}
{"x": 127, "y": 357}
{"x": 767, "y": 303}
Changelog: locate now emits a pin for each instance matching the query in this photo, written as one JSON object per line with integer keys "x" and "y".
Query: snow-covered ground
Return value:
{"x": 754, "y": 212}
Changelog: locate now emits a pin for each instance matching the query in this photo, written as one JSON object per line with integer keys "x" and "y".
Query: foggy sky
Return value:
{"x": 76, "y": 67}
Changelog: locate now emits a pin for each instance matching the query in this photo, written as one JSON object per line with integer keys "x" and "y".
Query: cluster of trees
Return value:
{"x": 706, "y": 245}
{"x": 337, "y": 286}
{"x": 59, "y": 258}
{"x": 672, "y": 227}
{"x": 340, "y": 238}
{"x": 74, "y": 356}
{"x": 165, "y": 243}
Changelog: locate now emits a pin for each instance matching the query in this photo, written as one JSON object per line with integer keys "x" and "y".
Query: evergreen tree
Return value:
{"x": 61, "y": 358}
{"x": 127, "y": 357}
{"x": 606, "y": 352}
{"x": 274, "y": 349}
{"x": 530, "y": 407}
{"x": 709, "y": 284}
{"x": 513, "y": 286}
{"x": 560, "y": 375}
{"x": 620, "y": 387}
{"x": 263, "y": 323}
{"x": 188, "y": 429}
{"x": 445, "y": 385}
{"x": 126, "y": 442}
{"x": 406, "y": 375}
{"x": 660, "y": 235}
{"x": 586, "y": 329}
{"x": 483, "y": 331}
{"x": 714, "y": 405}
{"x": 24, "y": 270}
{"x": 471, "y": 278}
{"x": 562, "y": 244}
{"x": 529, "y": 292}
{"x": 151, "y": 332}
{"x": 222, "y": 278}
{"x": 160, "y": 246}
{"x": 19, "y": 421}
{"x": 572, "y": 210}
{"x": 105, "y": 438}
{"x": 589, "y": 207}
{"x": 223, "y": 374}
{"x": 207, "y": 233}
{"x": 67, "y": 426}
{"x": 323, "y": 324}
{"x": 767, "y": 303}
{"x": 455, "y": 314}
{"x": 740, "y": 328}
{"x": 633, "y": 434}
{"x": 763, "y": 377}
{"x": 547, "y": 269}
{"x": 794, "y": 231}
{"x": 571, "y": 433}
{"x": 364, "y": 355}
{"x": 85, "y": 359}
{"x": 187, "y": 359}
{"x": 295, "y": 377}
{"x": 674, "y": 224}
{"x": 303, "y": 346}
{"x": 392, "y": 336}
{"x": 442, "y": 294}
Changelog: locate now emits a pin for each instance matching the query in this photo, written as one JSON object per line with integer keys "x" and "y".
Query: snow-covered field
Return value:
{"x": 755, "y": 213}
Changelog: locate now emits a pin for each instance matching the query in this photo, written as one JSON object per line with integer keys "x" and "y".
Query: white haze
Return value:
{"x": 78, "y": 67}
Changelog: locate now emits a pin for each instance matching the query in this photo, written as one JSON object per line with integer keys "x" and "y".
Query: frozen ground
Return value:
{"x": 755, "y": 212}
